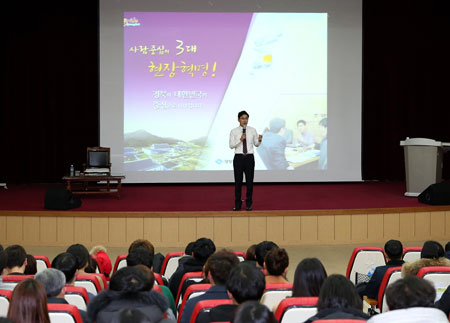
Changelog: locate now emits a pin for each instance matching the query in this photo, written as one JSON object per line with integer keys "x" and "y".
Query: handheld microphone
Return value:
{"x": 244, "y": 128}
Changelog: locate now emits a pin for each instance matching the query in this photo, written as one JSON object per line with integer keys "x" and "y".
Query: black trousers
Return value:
{"x": 243, "y": 164}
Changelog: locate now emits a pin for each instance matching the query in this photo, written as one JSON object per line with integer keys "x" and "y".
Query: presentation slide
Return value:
{"x": 187, "y": 75}
{"x": 174, "y": 76}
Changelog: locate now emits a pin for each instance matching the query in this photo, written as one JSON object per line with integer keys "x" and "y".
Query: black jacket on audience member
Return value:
{"x": 339, "y": 313}
{"x": 221, "y": 313}
{"x": 444, "y": 302}
{"x": 108, "y": 303}
{"x": 373, "y": 286}
{"x": 190, "y": 265}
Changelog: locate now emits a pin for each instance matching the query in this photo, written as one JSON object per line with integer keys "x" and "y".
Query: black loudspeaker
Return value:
{"x": 60, "y": 199}
{"x": 436, "y": 194}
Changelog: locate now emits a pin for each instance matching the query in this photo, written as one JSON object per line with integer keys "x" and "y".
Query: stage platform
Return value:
{"x": 172, "y": 215}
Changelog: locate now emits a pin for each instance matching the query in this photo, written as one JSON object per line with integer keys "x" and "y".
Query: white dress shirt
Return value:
{"x": 236, "y": 143}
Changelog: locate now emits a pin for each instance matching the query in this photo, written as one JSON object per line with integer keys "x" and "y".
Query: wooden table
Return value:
{"x": 91, "y": 185}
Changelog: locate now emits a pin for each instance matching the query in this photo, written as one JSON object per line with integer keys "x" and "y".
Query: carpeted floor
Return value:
{"x": 220, "y": 197}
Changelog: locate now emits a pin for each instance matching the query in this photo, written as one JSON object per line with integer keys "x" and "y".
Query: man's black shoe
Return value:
{"x": 237, "y": 206}
{"x": 249, "y": 207}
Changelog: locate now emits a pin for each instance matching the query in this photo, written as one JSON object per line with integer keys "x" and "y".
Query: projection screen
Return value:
{"x": 174, "y": 75}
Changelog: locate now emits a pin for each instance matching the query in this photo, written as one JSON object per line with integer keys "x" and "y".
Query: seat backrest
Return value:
{"x": 64, "y": 313}
{"x": 13, "y": 280}
{"x": 42, "y": 263}
{"x": 364, "y": 260}
{"x": 77, "y": 296}
{"x": 192, "y": 276}
{"x": 275, "y": 293}
{"x": 241, "y": 255}
{"x": 192, "y": 291}
{"x": 206, "y": 306}
{"x": 296, "y": 309}
{"x": 90, "y": 282}
{"x": 5, "y": 298}
{"x": 439, "y": 276}
{"x": 411, "y": 254}
{"x": 157, "y": 288}
{"x": 158, "y": 279}
{"x": 170, "y": 263}
{"x": 391, "y": 275}
{"x": 121, "y": 261}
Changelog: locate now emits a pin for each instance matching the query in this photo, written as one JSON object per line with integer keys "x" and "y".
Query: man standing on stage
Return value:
{"x": 242, "y": 140}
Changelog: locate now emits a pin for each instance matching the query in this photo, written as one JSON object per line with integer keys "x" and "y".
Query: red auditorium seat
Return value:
{"x": 207, "y": 305}
{"x": 157, "y": 289}
{"x": 5, "y": 298}
{"x": 121, "y": 261}
{"x": 15, "y": 279}
{"x": 275, "y": 293}
{"x": 439, "y": 276}
{"x": 391, "y": 275}
{"x": 42, "y": 263}
{"x": 192, "y": 291}
{"x": 170, "y": 263}
{"x": 241, "y": 255}
{"x": 77, "y": 296}
{"x": 363, "y": 259}
{"x": 90, "y": 282}
{"x": 64, "y": 313}
{"x": 195, "y": 276}
{"x": 296, "y": 309}
{"x": 411, "y": 254}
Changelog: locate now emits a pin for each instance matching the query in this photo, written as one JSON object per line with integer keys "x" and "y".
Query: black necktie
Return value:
{"x": 245, "y": 146}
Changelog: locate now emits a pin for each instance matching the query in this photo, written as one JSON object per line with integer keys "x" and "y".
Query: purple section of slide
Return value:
{"x": 218, "y": 39}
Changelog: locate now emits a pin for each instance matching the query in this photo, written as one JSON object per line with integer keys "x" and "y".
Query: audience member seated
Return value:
{"x": 411, "y": 299}
{"x": 250, "y": 255}
{"x": 254, "y": 312}
{"x": 432, "y": 254}
{"x": 447, "y": 250}
{"x": 308, "y": 278}
{"x": 219, "y": 266}
{"x": 54, "y": 281}
{"x": 92, "y": 266}
{"x": 131, "y": 315}
{"x": 262, "y": 249}
{"x": 338, "y": 298}
{"x": 82, "y": 256}
{"x": 202, "y": 249}
{"x": 276, "y": 265}
{"x": 158, "y": 259}
{"x": 28, "y": 303}
{"x": 16, "y": 260}
{"x": 31, "y": 267}
{"x": 3, "y": 261}
{"x": 394, "y": 251}
{"x": 444, "y": 302}
{"x": 68, "y": 265}
{"x": 164, "y": 289}
{"x": 143, "y": 257}
{"x": 102, "y": 257}
{"x": 245, "y": 283}
{"x": 129, "y": 287}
